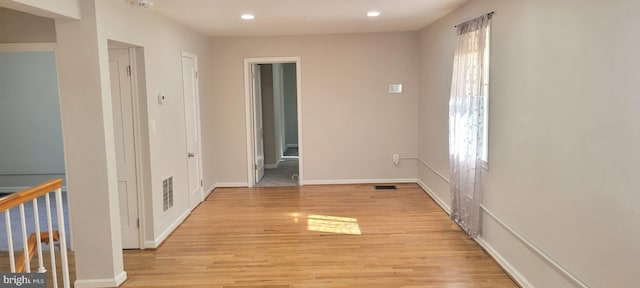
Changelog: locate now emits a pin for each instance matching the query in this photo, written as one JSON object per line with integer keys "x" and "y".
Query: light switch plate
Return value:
{"x": 395, "y": 88}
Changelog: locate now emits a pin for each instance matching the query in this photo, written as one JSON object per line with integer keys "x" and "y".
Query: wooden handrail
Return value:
{"x": 21, "y": 266}
{"x": 29, "y": 194}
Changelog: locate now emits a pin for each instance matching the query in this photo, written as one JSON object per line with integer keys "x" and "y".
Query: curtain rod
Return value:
{"x": 489, "y": 14}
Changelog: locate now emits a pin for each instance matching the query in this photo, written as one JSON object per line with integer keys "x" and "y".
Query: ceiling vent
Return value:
{"x": 142, "y": 3}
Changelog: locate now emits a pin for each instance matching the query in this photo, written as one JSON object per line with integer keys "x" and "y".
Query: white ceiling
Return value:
{"x": 298, "y": 17}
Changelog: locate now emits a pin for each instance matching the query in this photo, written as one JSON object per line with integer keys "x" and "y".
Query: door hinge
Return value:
{"x": 255, "y": 166}
{"x": 129, "y": 70}
{"x": 196, "y": 74}
{"x": 138, "y": 222}
{"x": 201, "y": 183}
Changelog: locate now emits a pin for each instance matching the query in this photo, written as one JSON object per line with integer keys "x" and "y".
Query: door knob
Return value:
{"x": 191, "y": 155}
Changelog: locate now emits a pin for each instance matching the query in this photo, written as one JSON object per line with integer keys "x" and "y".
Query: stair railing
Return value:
{"x": 34, "y": 242}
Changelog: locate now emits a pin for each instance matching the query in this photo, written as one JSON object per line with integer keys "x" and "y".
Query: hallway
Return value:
{"x": 285, "y": 175}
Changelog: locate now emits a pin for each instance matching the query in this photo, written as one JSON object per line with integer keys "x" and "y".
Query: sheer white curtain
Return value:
{"x": 469, "y": 92}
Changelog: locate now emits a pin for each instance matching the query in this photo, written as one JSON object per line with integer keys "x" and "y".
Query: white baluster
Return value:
{"x": 52, "y": 246}
{"x": 63, "y": 239}
{"x": 7, "y": 218}
{"x": 25, "y": 241}
{"x": 36, "y": 216}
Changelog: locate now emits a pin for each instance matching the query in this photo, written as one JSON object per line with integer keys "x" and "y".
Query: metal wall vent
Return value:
{"x": 386, "y": 187}
{"x": 167, "y": 194}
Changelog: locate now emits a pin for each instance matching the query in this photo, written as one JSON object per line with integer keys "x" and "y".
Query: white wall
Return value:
{"x": 290, "y": 104}
{"x": 20, "y": 27}
{"x": 88, "y": 128}
{"x": 563, "y": 133}
{"x": 25, "y": 142}
{"x": 163, "y": 42}
{"x": 89, "y": 153}
{"x": 62, "y": 9}
{"x": 268, "y": 114}
{"x": 351, "y": 124}
{"x": 30, "y": 128}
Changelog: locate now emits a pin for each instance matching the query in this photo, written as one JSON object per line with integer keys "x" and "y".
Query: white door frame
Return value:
{"x": 137, "y": 137}
{"x": 248, "y": 62}
{"x": 138, "y": 102}
{"x": 197, "y": 116}
{"x": 137, "y": 140}
{"x": 278, "y": 104}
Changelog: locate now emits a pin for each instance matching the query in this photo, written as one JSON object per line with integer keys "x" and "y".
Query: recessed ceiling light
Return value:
{"x": 247, "y": 16}
{"x": 373, "y": 13}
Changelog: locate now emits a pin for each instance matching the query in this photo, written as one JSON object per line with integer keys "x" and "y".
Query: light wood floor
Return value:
{"x": 308, "y": 237}
{"x": 5, "y": 268}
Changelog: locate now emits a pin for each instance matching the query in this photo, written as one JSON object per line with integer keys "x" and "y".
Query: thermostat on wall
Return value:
{"x": 162, "y": 98}
{"x": 395, "y": 88}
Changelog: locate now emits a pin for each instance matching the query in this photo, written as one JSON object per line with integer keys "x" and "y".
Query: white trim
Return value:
{"x": 137, "y": 142}
{"x": 278, "y": 106}
{"x": 16, "y": 189}
{"x": 232, "y": 185}
{"x": 300, "y": 132}
{"x": 292, "y": 145}
{"x": 518, "y": 277}
{"x": 290, "y": 159}
{"x": 425, "y": 164}
{"x": 248, "y": 100}
{"x": 360, "y": 181}
{"x": 156, "y": 243}
{"x": 435, "y": 197}
{"x": 513, "y": 272}
{"x": 209, "y": 191}
{"x": 272, "y": 166}
{"x": 107, "y": 282}
{"x": 24, "y": 47}
{"x": 532, "y": 247}
{"x": 150, "y": 244}
{"x": 249, "y": 114}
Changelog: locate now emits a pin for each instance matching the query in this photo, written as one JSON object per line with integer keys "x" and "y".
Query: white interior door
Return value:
{"x": 258, "y": 127}
{"x": 122, "y": 100}
{"x": 190, "y": 86}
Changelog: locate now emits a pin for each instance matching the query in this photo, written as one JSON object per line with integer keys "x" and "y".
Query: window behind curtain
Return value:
{"x": 468, "y": 125}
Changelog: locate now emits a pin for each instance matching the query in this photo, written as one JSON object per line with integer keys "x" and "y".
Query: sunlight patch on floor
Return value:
{"x": 333, "y": 224}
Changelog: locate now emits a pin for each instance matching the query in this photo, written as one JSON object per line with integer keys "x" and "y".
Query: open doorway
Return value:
{"x": 273, "y": 98}
{"x": 127, "y": 93}
{"x": 30, "y": 134}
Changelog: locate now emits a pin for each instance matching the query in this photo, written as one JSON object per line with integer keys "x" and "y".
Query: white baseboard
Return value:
{"x": 21, "y": 188}
{"x": 272, "y": 166}
{"x": 232, "y": 185}
{"x": 97, "y": 283}
{"x": 359, "y": 181}
{"x": 435, "y": 197}
{"x": 208, "y": 192}
{"x": 534, "y": 251}
{"x": 156, "y": 243}
{"x": 512, "y": 271}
